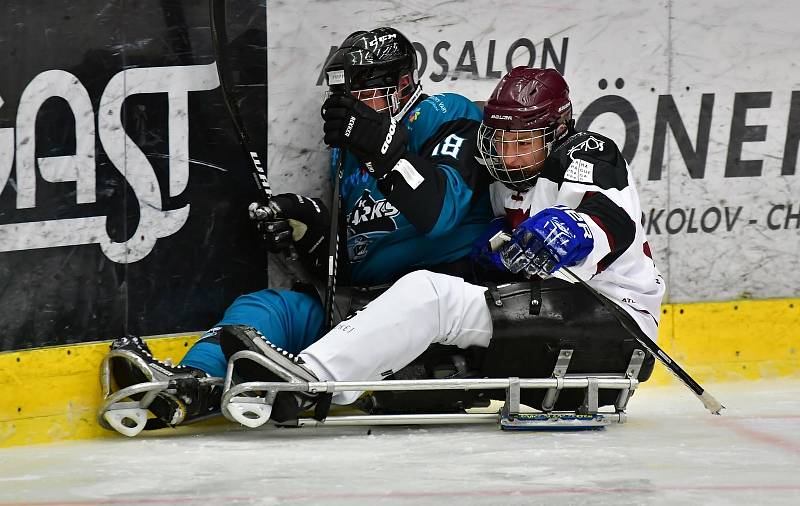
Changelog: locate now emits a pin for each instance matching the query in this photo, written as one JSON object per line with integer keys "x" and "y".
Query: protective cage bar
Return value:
{"x": 242, "y": 402}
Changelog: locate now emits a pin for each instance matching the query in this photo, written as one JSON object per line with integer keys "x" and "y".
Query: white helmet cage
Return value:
{"x": 510, "y": 156}
{"x": 398, "y": 100}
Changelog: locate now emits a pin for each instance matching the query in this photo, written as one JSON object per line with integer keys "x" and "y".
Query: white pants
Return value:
{"x": 420, "y": 309}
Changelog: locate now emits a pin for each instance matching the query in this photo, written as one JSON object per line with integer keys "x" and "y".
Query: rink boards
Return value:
{"x": 52, "y": 394}
{"x": 712, "y": 144}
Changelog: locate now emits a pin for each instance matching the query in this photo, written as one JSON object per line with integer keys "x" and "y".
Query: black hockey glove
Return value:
{"x": 289, "y": 219}
{"x": 275, "y": 233}
{"x": 373, "y": 137}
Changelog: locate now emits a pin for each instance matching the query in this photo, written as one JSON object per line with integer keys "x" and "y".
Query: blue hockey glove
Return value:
{"x": 553, "y": 238}
{"x": 483, "y": 253}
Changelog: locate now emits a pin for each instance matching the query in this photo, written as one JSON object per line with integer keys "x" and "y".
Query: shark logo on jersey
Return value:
{"x": 358, "y": 246}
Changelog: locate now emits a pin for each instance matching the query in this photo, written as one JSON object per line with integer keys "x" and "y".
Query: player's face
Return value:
{"x": 522, "y": 150}
{"x": 383, "y": 99}
{"x": 376, "y": 99}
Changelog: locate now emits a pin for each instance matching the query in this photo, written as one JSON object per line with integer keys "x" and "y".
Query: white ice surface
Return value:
{"x": 671, "y": 451}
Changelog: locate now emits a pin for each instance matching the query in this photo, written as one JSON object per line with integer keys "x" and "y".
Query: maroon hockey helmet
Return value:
{"x": 527, "y": 112}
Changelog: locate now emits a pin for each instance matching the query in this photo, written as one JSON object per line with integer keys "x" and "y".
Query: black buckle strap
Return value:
{"x": 155, "y": 424}
{"x": 535, "y": 305}
{"x": 323, "y": 406}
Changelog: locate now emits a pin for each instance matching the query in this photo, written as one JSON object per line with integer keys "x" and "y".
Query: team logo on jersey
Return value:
{"x": 590, "y": 144}
{"x": 370, "y": 215}
{"x": 414, "y": 116}
{"x": 369, "y": 220}
{"x": 358, "y": 246}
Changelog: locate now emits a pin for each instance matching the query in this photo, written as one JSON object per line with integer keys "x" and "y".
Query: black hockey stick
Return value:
{"x": 220, "y": 40}
{"x": 708, "y": 400}
{"x": 338, "y": 156}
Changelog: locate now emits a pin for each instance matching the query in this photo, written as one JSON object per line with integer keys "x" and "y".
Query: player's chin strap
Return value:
{"x": 708, "y": 400}
{"x": 409, "y": 103}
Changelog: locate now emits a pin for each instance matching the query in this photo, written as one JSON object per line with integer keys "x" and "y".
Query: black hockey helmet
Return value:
{"x": 334, "y": 66}
{"x": 375, "y": 61}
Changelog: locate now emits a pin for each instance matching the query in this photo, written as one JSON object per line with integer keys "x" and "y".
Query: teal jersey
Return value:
{"x": 435, "y": 220}
{"x": 431, "y": 224}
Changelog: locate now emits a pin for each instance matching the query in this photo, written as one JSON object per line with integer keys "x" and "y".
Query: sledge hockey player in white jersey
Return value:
{"x": 570, "y": 192}
{"x": 565, "y": 199}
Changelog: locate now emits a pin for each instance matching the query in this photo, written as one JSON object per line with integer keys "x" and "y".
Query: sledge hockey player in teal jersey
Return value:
{"x": 413, "y": 197}
{"x": 563, "y": 199}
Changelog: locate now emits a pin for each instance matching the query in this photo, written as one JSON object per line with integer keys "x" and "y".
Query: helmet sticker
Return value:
{"x": 335, "y": 77}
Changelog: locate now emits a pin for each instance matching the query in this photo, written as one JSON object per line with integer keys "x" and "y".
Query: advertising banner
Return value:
{"x": 703, "y": 100}
{"x": 124, "y": 189}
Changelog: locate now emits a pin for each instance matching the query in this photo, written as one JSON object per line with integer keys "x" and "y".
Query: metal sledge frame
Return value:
{"x": 129, "y": 417}
{"x": 246, "y": 403}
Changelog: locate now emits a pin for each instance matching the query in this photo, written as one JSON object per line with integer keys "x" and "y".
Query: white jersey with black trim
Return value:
{"x": 587, "y": 173}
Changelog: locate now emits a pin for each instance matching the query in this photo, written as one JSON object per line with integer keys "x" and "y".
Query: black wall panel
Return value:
{"x": 80, "y": 205}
